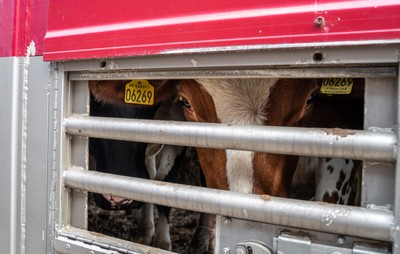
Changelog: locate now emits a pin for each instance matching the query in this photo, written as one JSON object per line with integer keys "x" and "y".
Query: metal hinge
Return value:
{"x": 73, "y": 244}
{"x": 288, "y": 244}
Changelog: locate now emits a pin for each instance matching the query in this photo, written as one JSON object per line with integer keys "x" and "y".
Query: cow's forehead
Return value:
{"x": 239, "y": 101}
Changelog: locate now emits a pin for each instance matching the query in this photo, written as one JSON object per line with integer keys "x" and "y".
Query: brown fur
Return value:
{"x": 286, "y": 107}
{"x": 212, "y": 160}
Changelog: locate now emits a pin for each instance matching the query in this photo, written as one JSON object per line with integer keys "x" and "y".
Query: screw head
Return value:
{"x": 227, "y": 220}
{"x": 240, "y": 249}
{"x": 319, "y": 21}
{"x": 341, "y": 240}
{"x": 226, "y": 250}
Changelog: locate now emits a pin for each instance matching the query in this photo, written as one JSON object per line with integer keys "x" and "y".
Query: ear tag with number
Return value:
{"x": 139, "y": 92}
{"x": 337, "y": 85}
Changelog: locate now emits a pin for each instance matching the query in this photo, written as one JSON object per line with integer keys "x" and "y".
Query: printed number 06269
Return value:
{"x": 138, "y": 96}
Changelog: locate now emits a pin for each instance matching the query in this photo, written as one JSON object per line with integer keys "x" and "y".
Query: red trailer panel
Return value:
{"x": 82, "y": 29}
{"x": 22, "y": 22}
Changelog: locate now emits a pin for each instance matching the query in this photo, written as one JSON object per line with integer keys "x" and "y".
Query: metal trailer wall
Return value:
{"x": 24, "y": 126}
{"x": 24, "y": 103}
{"x": 381, "y": 105}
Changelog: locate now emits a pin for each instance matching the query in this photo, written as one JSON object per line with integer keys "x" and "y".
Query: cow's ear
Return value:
{"x": 165, "y": 89}
{"x": 108, "y": 91}
{"x": 158, "y": 83}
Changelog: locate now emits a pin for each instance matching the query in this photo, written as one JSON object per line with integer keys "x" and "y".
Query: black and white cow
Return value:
{"x": 134, "y": 159}
{"x": 335, "y": 180}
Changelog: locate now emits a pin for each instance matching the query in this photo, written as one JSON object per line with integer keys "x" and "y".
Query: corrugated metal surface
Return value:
{"x": 82, "y": 29}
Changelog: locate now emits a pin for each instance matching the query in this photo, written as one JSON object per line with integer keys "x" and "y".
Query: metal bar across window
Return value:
{"x": 320, "y": 72}
{"x": 317, "y": 142}
{"x": 355, "y": 221}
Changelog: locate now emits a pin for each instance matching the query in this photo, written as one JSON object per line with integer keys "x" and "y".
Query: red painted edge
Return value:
{"x": 22, "y": 22}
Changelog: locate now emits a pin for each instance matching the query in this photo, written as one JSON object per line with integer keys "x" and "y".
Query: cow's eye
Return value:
{"x": 310, "y": 100}
{"x": 184, "y": 102}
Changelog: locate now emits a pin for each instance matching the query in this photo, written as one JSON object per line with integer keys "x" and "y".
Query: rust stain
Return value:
{"x": 338, "y": 132}
{"x": 265, "y": 197}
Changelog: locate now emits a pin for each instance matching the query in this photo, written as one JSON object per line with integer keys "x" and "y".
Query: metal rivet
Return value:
{"x": 227, "y": 220}
{"x": 341, "y": 240}
{"x": 67, "y": 246}
{"x": 103, "y": 64}
{"x": 240, "y": 249}
{"x": 91, "y": 252}
{"x": 226, "y": 250}
{"x": 318, "y": 56}
{"x": 319, "y": 21}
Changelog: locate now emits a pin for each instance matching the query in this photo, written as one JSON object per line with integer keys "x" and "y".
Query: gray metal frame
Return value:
{"x": 378, "y": 63}
{"x": 24, "y": 154}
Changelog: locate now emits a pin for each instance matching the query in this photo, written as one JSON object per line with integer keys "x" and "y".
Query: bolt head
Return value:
{"x": 227, "y": 220}
{"x": 240, "y": 249}
{"x": 341, "y": 240}
{"x": 319, "y": 21}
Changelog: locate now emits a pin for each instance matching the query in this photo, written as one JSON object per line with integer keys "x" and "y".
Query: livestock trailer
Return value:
{"x": 50, "y": 50}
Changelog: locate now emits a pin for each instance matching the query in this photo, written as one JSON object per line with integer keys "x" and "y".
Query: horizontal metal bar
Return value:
{"x": 360, "y": 145}
{"x": 357, "y": 54}
{"x": 354, "y": 72}
{"x": 291, "y": 46}
{"x": 354, "y": 221}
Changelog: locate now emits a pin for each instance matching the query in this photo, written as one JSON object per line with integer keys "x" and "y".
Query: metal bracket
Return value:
{"x": 287, "y": 243}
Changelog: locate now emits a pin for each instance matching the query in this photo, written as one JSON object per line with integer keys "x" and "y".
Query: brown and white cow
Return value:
{"x": 248, "y": 102}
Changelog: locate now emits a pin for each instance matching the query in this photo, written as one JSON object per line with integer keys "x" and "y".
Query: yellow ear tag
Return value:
{"x": 337, "y": 85}
{"x": 139, "y": 92}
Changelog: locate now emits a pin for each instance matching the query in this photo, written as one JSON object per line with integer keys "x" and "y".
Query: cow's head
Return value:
{"x": 124, "y": 157}
{"x": 248, "y": 102}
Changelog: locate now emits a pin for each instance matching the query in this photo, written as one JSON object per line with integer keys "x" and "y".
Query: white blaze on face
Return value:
{"x": 242, "y": 102}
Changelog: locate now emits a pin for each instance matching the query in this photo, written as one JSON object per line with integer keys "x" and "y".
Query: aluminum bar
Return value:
{"x": 360, "y": 145}
{"x": 396, "y": 241}
{"x": 320, "y": 72}
{"x": 355, "y": 221}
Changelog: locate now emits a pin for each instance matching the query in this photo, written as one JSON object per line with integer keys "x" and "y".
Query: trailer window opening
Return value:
{"x": 332, "y": 109}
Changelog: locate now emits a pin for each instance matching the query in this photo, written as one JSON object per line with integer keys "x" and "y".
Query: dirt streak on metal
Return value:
{"x": 265, "y": 197}
{"x": 338, "y": 132}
